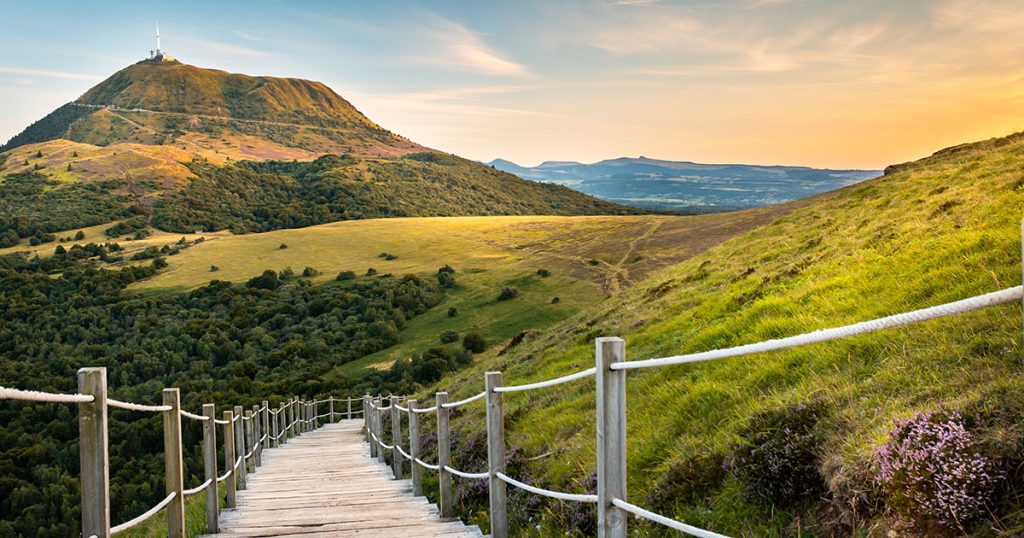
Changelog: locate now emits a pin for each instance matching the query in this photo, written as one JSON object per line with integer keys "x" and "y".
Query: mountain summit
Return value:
{"x": 211, "y": 111}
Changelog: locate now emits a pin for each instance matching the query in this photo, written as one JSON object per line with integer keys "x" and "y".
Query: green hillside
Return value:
{"x": 941, "y": 229}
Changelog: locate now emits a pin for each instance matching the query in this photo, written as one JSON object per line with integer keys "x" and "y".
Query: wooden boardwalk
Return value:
{"x": 324, "y": 483}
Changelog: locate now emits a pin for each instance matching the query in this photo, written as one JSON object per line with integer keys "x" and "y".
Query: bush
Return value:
{"x": 932, "y": 470}
{"x": 214, "y": 268}
{"x": 508, "y": 292}
{"x": 345, "y": 275}
{"x": 446, "y": 280}
{"x": 309, "y": 271}
{"x": 371, "y": 271}
{"x": 267, "y": 281}
{"x": 446, "y": 269}
{"x": 776, "y": 459}
{"x": 474, "y": 343}
{"x": 9, "y": 239}
{"x": 452, "y": 311}
{"x": 282, "y": 246}
{"x": 448, "y": 337}
{"x": 159, "y": 263}
{"x": 543, "y": 273}
{"x": 79, "y": 235}
{"x": 555, "y": 300}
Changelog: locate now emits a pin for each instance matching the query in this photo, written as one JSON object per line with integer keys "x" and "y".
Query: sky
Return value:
{"x": 838, "y": 84}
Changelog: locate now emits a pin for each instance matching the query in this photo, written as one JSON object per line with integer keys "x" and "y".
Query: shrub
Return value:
{"x": 555, "y": 300}
{"x": 371, "y": 271}
{"x": 776, "y": 459}
{"x": 214, "y": 268}
{"x": 267, "y": 281}
{"x": 282, "y": 246}
{"x": 287, "y": 273}
{"x": 309, "y": 271}
{"x": 9, "y": 239}
{"x": 345, "y": 275}
{"x": 159, "y": 263}
{"x": 390, "y": 257}
{"x": 446, "y": 280}
{"x": 79, "y": 235}
{"x": 446, "y": 269}
{"x": 543, "y": 273}
{"x": 474, "y": 343}
{"x": 452, "y": 311}
{"x": 932, "y": 470}
{"x": 508, "y": 292}
{"x": 448, "y": 337}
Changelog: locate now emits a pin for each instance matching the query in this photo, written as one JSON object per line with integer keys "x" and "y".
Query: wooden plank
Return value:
{"x": 325, "y": 484}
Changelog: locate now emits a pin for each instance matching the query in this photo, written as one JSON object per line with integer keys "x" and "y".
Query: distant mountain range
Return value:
{"x": 687, "y": 186}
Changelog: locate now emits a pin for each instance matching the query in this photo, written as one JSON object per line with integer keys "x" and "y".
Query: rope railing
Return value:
{"x": 668, "y": 522}
{"x": 44, "y": 397}
{"x": 423, "y": 409}
{"x": 464, "y": 402}
{"x": 198, "y": 488}
{"x": 186, "y": 414}
{"x": 548, "y": 383}
{"x": 925, "y": 314}
{"x": 427, "y": 465}
{"x": 404, "y": 454}
{"x": 144, "y": 516}
{"x": 138, "y": 407}
{"x": 578, "y": 497}
{"x": 475, "y": 476}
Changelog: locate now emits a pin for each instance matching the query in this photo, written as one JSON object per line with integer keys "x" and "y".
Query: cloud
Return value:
{"x": 46, "y": 73}
{"x": 219, "y": 47}
{"x": 460, "y": 48}
{"x": 246, "y": 36}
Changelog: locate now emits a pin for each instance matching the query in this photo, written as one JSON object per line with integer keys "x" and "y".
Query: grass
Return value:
{"x": 195, "y": 519}
{"x": 940, "y": 230}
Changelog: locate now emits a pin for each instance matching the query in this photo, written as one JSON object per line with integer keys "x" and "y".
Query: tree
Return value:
{"x": 371, "y": 271}
{"x": 543, "y": 273}
{"x": 69, "y": 167}
{"x": 474, "y": 343}
{"x": 214, "y": 268}
{"x": 9, "y": 239}
{"x": 267, "y": 281}
{"x": 448, "y": 337}
{"x": 446, "y": 280}
{"x": 39, "y": 154}
{"x": 79, "y": 235}
{"x": 282, "y": 246}
{"x": 345, "y": 275}
{"x": 452, "y": 311}
{"x": 309, "y": 271}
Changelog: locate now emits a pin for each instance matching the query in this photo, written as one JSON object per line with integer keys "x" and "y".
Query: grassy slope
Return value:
{"x": 935, "y": 231}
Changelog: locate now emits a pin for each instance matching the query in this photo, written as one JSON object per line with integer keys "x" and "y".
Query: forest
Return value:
{"x": 233, "y": 344}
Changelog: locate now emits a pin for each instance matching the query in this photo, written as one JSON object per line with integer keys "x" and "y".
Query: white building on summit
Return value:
{"x": 159, "y": 55}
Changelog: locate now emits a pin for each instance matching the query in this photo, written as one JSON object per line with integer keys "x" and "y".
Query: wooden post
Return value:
{"x": 444, "y": 456}
{"x": 250, "y": 440}
{"x": 349, "y": 414}
{"x": 229, "y": 457}
{"x": 396, "y": 439}
{"x": 173, "y": 474}
{"x": 496, "y": 455}
{"x": 381, "y": 454}
{"x": 274, "y": 427}
{"x": 291, "y": 418}
{"x": 93, "y": 453}
{"x": 241, "y": 472}
{"x": 282, "y": 419}
{"x": 370, "y": 431}
{"x": 265, "y": 424}
{"x": 210, "y": 466}
{"x": 414, "y": 450}
{"x": 257, "y": 435}
{"x": 611, "y": 437}
{"x": 330, "y": 403}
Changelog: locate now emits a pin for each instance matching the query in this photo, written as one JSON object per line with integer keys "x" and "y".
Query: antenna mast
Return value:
{"x": 158, "y": 37}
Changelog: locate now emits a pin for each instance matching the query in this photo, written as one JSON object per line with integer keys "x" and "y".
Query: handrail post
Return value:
{"x": 257, "y": 434}
{"x": 349, "y": 414}
{"x": 368, "y": 424}
{"x": 496, "y": 455}
{"x": 173, "y": 475}
{"x": 230, "y": 458}
{"x": 242, "y": 472}
{"x": 381, "y": 454}
{"x": 282, "y": 419}
{"x": 611, "y": 437}
{"x": 414, "y": 450}
{"x": 250, "y": 436}
{"x": 444, "y": 456}
{"x": 396, "y": 438}
{"x": 93, "y": 453}
{"x": 274, "y": 422}
{"x": 330, "y": 403}
{"x": 210, "y": 466}
{"x": 291, "y": 417}
{"x": 265, "y": 424}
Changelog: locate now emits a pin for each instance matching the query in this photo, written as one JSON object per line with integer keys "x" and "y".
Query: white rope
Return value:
{"x": 578, "y": 497}
{"x": 198, "y": 488}
{"x": 427, "y": 465}
{"x": 466, "y": 401}
{"x": 400, "y": 408}
{"x": 419, "y": 410}
{"x": 457, "y": 472}
{"x": 36, "y": 396}
{"x": 383, "y": 408}
{"x": 148, "y": 514}
{"x": 193, "y": 417}
{"x": 225, "y": 476}
{"x": 405, "y": 454}
{"x": 548, "y": 383}
{"x": 380, "y": 442}
{"x": 264, "y": 438}
{"x": 322, "y": 416}
{"x": 221, "y": 422}
{"x": 245, "y": 417}
{"x": 824, "y": 335}
{"x": 251, "y": 452}
{"x": 670, "y": 523}
{"x": 137, "y": 407}
{"x": 237, "y": 462}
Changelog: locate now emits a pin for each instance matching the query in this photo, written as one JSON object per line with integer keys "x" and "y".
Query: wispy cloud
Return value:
{"x": 46, "y": 73}
{"x": 457, "y": 47}
{"x": 220, "y": 47}
{"x": 247, "y": 36}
